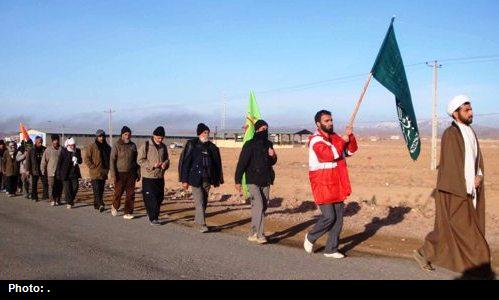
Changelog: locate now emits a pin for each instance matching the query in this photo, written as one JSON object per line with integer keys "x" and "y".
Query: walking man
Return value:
{"x": 68, "y": 171}
{"x": 329, "y": 181}
{"x": 458, "y": 240}
{"x": 33, "y": 164}
{"x": 153, "y": 160}
{"x": 22, "y": 159}
{"x": 2, "y": 174}
{"x": 48, "y": 166}
{"x": 11, "y": 168}
{"x": 97, "y": 156}
{"x": 200, "y": 166}
{"x": 125, "y": 171}
{"x": 256, "y": 160}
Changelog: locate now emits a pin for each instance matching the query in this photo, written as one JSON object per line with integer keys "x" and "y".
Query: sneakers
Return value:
{"x": 261, "y": 240}
{"x": 307, "y": 245}
{"x": 52, "y": 203}
{"x": 12, "y": 195}
{"x": 336, "y": 255}
{"x": 204, "y": 229}
{"x": 101, "y": 208}
{"x": 114, "y": 211}
{"x": 128, "y": 217}
{"x": 69, "y": 206}
{"x": 155, "y": 223}
{"x": 253, "y": 238}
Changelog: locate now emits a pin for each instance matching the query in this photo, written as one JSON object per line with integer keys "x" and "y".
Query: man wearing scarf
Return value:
{"x": 458, "y": 240}
{"x": 200, "y": 166}
{"x": 97, "y": 156}
{"x": 256, "y": 160}
{"x": 68, "y": 171}
{"x": 153, "y": 160}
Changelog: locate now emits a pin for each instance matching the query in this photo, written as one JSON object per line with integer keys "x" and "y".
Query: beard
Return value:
{"x": 204, "y": 140}
{"x": 464, "y": 120}
{"x": 327, "y": 130}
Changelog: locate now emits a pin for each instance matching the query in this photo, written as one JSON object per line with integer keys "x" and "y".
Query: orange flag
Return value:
{"x": 24, "y": 132}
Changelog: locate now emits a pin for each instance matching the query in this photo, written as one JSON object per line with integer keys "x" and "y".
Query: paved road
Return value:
{"x": 38, "y": 241}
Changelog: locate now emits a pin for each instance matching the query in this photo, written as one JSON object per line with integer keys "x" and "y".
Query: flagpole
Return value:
{"x": 357, "y": 106}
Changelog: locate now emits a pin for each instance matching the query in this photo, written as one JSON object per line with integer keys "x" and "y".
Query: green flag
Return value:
{"x": 389, "y": 70}
{"x": 251, "y": 118}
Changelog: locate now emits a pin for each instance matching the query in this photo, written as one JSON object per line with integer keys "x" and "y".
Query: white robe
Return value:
{"x": 470, "y": 156}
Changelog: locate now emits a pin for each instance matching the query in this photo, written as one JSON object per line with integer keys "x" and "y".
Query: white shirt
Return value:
{"x": 470, "y": 156}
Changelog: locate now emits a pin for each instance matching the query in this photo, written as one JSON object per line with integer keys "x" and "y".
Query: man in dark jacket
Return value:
{"x": 68, "y": 171}
{"x": 97, "y": 156}
{"x": 256, "y": 160}
{"x": 2, "y": 175}
{"x": 200, "y": 167}
{"x": 33, "y": 165}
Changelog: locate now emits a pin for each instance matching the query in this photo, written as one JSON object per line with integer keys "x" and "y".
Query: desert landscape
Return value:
{"x": 389, "y": 212}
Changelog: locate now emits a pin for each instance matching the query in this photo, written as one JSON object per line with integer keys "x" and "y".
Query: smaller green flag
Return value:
{"x": 252, "y": 116}
{"x": 389, "y": 70}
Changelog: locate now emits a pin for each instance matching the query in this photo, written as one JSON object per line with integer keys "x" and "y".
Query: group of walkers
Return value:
{"x": 457, "y": 242}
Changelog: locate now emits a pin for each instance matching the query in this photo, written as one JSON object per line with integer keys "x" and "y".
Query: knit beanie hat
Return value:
{"x": 126, "y": 129}
{"x": 160, "y": 131}
{"x": 54, "y": 137}
{"x": 202, "y": 128}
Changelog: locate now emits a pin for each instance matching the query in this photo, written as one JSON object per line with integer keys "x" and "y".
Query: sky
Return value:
{"x": 173, "y": 63}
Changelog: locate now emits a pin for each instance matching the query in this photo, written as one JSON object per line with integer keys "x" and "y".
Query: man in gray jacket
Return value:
{"x": 153, "y": 161}
{"x": 21, "y": 158}
{"x": 48, "y": 167}
{"x": 33, "y": 165}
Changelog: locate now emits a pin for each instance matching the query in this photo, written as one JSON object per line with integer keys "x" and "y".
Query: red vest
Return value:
{"x": 328, "y": 172}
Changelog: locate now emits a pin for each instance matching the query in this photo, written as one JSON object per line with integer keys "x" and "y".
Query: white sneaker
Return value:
{"x": 253, "y": 238}
{"x": 128, "y": 217}
{"x": 309, "y": 247}
{"x": 114, "y": 212}
{"x": 69, "y": 206}
{"x": 52, "y": 203}
{"x": 336, "y": 255}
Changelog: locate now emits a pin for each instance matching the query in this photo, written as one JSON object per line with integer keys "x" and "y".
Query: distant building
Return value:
{"x": 395, "y": 137}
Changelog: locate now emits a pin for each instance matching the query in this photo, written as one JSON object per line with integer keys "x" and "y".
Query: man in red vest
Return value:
{"x": 329, "y": 180}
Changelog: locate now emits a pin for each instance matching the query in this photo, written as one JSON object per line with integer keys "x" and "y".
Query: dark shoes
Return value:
{"x": 155, "y": 223}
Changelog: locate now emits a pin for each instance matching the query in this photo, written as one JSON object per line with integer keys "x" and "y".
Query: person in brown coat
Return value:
{"x": 48, "y": 166}
{"x": 458, "y": 240}
{"x": 11, "y": 168}
{"x": 125, "y": 171}
{"x": 97, "y": 156}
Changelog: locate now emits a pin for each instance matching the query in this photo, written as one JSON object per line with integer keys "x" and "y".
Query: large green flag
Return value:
{"x": 389, "y": 70}
{"x": 251, "y": 118}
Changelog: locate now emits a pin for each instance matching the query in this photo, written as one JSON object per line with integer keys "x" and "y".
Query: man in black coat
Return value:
{"x": 68, "y": 171}
{"x": 33, "y": 164}
{"x": 200, "y": 166}
{"x": 256, "y": 160}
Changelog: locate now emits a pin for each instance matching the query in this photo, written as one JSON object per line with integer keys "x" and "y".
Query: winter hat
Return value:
{"x": 202, "y": 128}
{"x": 100, "y": 132}
{"x": 126, "y": 129}
{"x": 159, "y": 131}
{"x": 54, "y": 137}
{"x": 259, "y": 124}
{"x": 2, "y": 142}
{"x": 70, "y": 141}
{"x": 456, "y": 102}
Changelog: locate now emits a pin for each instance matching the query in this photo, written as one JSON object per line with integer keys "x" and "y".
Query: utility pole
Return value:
{"x": 434, "y": 117}
{"x": 110, "y": 112}
{"x": 224, "y": 113}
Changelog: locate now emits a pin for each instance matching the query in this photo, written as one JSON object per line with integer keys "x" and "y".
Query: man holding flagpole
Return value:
{"x": 329, "y": 180}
